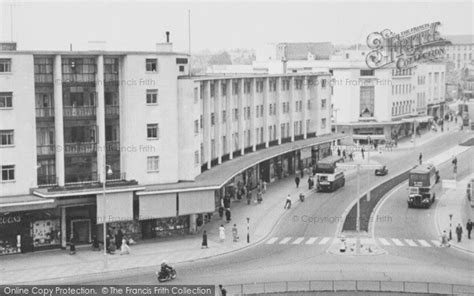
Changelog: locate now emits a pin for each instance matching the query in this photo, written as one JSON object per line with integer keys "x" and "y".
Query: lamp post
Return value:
{"x": 107, "y": 171}
{"x": 248, "y": 230}
{"x": 450, "y": 226}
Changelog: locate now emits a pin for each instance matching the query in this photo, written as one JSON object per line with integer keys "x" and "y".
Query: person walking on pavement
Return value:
{"x": 227, "y": 215}
{"x": 72, "y": 245}
{"x": 118, "y": 239}
{"x": 420, "y": 158}
{"x": 297, "y": 181}
{"x": 223, "y": 292}
{"x": 287, "y": 202}
{"x": 204, "y": 240}
{"x": 338, "y": 151}
{"x": 222, "y": 233}
{"x": 469, "y": 228}
{"x": 362, "y": 152}
{"x": 124, "y": 248}
{"x": 444, "y": 240}
{"x": 459, "y": 232}
{"x": 235, "y": 233}
{"x": 344, "y": 154}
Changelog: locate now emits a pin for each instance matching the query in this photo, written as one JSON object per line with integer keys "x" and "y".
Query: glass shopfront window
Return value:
{"x": 10, "y": 238}
{"x": 46, "y": 232}
{"x": 165, "y": 227}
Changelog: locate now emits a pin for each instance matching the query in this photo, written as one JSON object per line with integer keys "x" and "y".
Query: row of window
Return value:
{"x": 401, "y": 108}
{"x": 461, "y": 47}
{"x": 459, "y": 56}
{"x": 402, "y": 72}
{"x": 401, "y": 89}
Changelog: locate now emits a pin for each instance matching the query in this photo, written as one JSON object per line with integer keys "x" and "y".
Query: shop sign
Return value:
{"x": 418, "y": 44}
{"x": 10, "y": 220}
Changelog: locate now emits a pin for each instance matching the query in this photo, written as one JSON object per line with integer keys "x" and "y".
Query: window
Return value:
{"x": 8, "y": 172}
{"x": 272, "y": 85}
{"x": 323, "y": 83}
{"x": 309, "y": 104}
{"x": 5, "y": 65}
{"x": 285, "y": 85}
{"x": 261, "y": 110}
{"x": 270, "y": 109}
{"x": 6, "y": 137}
{"x": 196, "y": 95}
{"x": 247, "y": 87}
{"x": 196, "y": 127}
{"x": 366, "y": 72}
{"x": 259, "y": 86}
{"x": 213, "y": 118}
{"x": 248, "y": 112}
{"x": 153, "y": 164}
{"x": 366, "y": 101}
{"x": 298, "y": 84}
{"x": 323, "y": 123}
{"x": 200, "y": 121}
{"x": 181, "y": 68}
{"x": 151, "y": 65}
{"x": 6, "y": 100}
{"x": 236, "y": 114}
{"x": 235, "y": 88}
{"x": 223, "y": 89}
{"x": 196, "y": 158}
{"x": 181, "y": 61}
{"x": 152, "y": 131}
{"x": 323, "y": 104}
{"x": 151, "y": 96}
{"x": 223, "y": 116}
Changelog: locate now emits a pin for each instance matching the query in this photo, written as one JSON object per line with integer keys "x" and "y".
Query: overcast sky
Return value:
{"x": 219, "y": 25}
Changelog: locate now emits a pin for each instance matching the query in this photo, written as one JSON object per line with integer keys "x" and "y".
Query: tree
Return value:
{"x": 222, "y": 58}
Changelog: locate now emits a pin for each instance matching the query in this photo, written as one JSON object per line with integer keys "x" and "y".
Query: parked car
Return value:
{"x": 381, "y": 171}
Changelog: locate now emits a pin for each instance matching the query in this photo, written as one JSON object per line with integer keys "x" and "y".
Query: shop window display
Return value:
{"x": 46, "y": 232}
{"x": 171, "y": 226}
{"x": 10, "y": 245}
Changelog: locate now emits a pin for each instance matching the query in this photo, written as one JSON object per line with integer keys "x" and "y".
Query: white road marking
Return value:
{"x": 272, "y": 240}
{"x": 384, "y": 242}
{"x": 367, "y": 241}
{"x": 424, "y": 243}
{"x": 397, "y": 242}
{"x": 298, "y": 240}
{"x": 411, "y": 243}
{"x": 436, "y": 242}
{"x": 311, "y": 240}
{"x": 285, "y": 240}
{"x": 324, "y": 240}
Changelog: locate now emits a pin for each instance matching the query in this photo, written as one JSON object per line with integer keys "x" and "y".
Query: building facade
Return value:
{"x": 461, "y": 51}
{"x": 163, "y": 144}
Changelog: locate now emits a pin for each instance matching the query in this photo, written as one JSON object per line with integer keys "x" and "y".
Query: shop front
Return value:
{"x": 23, "y": 232}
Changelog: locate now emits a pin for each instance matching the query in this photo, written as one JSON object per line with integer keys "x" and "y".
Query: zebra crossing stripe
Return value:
{"x": 298, "y": 240}
{"x": 384, "y": 242}
{"x": 285, "y": 240}
{"x": 311, "y": 240}
{"x": 272, "y": 240}
{"x": 411, "y": 243}
{"x": 397, "y": 242}
{"x": 324, "y": 240}
{"x": 436, "y": 242}
{"x": 424, "y": 243}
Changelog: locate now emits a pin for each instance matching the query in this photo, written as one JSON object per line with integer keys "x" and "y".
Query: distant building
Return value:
{"x": 461, "y": 52}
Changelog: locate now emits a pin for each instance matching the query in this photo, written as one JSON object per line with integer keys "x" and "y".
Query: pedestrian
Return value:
{"x": 235, "y": 233}
{"x": 459, "y": 232}
{"x": 351, "y": 156}
{"x": 444, "y": 239}
{"x": 249, "y": 196}
{"x": 309, "y": 183}
{"x": 288, "y": 202}
{"x": 420, "y": 158}
{"x": 118, "y": 239}
{"x": 264, "y": 186}
{"x": 259, "y": 196}
{"x": 362, "y": 152}
{"x": 455, "y": 161}
{"x": 338, "y": 151}
{"x": 469, "y": 228}
{"x": 112, "y": 246}
{"x": 204, "y": 240}
{"x": 124, "y": 248}
{"x": 107, "y": 243}
{"x": 221, "y": 212}
{"x": 95, "y": 243}
{"x": 72, "y": 245}
{"x": 222, "y": 233}
{"x": 222, "y": 290}
{"x": 227, "y": 215}
{"x": 344, "y": 154}
{"x": 297, "y": 181}
{"x": 302, "y": 173}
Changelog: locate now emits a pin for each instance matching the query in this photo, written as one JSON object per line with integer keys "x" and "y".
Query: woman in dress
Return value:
{"x": 222, "y": 233}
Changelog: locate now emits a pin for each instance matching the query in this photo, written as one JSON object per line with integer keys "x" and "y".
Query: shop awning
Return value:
{"x": 157, "y": 206}
{"x": 365, "y": 137}
{"x": 25, "y": 203}
{"x": 418, "y": 119}
{"x": 196, "y": 202}
{"x": 118, "y": 207}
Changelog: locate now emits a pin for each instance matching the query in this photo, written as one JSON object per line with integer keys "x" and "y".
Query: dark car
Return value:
{"x": 381, "y": 171}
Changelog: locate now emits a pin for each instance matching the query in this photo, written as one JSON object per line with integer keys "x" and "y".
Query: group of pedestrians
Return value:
{"x": 115, "y": 240}
{"x": 459, "y": 231}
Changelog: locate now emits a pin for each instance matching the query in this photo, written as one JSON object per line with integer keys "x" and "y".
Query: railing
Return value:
{"x": 79, "y": 148}
{"x": 112, "y": 146}
{"x": 79, "y": 179}
{"x": 112, "y": 110}
{"x": 47, "y": 180}
{"x": 348, "y": 285}
{"x": 45, "y": 112}
{"x": 75, "y": 78}
{"x": 46, "y": 149}
{"x": 116, "y": 176}
{"x": 81, "y": 111}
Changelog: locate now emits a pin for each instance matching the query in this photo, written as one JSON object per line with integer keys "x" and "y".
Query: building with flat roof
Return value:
{"x": 460, "y": 52}
{"x": 167, "y": 146}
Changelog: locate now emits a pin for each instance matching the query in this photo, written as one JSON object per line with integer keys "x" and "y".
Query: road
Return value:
{"x": 297, "y": 249}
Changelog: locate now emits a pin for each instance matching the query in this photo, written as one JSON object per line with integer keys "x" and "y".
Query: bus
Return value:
{"x": 328, "y": 176}
{"x": 421, "y": 186}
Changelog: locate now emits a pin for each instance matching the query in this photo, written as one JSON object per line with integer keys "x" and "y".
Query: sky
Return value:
{"x": 135, "y": 25}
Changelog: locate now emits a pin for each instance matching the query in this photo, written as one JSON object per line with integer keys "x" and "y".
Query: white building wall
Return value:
{"x": 20, "y": 118}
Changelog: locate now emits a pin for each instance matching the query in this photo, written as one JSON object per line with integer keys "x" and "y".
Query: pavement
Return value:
{"x": 41, "y": 267}
{"x": 454, "y": 202}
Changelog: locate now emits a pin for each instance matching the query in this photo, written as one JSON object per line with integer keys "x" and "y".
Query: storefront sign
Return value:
{"x": 422, "y": 43}
{"x": 10, "y": 220}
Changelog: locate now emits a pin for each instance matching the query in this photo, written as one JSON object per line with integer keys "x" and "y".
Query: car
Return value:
{"x": 381, "y": 171}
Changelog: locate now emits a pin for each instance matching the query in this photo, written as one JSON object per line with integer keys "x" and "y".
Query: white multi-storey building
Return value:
{"x": 167, "y": 144}
{"x": 461, "y": 50}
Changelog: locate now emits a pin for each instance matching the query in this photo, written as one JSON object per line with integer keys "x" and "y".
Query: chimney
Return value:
{"x": 165, "y": 47}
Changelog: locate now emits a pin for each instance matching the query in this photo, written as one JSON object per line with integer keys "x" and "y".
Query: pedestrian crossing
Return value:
{"x": 385, "y": 242}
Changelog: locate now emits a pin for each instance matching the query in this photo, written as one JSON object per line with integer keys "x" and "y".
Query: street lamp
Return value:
{"x": 107, "y": 171}
{"x": 248, "y": 230}
{"x": 450, "y": 226}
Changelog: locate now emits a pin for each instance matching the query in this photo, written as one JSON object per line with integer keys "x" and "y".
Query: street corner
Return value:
{"x": 355, "y": 247}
